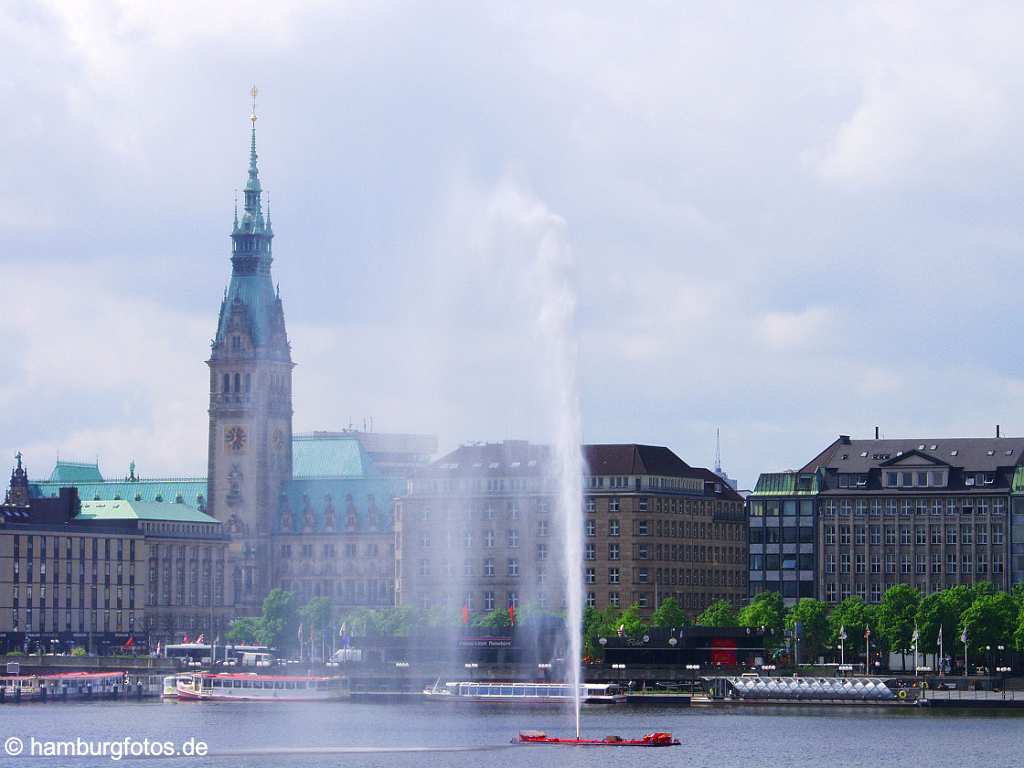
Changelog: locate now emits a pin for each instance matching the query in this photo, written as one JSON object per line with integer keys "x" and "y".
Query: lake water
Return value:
{"x": 349, "y": 734}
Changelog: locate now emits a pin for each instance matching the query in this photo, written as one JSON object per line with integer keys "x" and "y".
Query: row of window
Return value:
{"x": 919, "y": 564}
{"x": 789, "y": 562}
{"x": 965, "y": 535}
{"x": 872, "y": 593}
{"x": 330, "y": 551}
{"x": 785, "y": 534}
{"x": 951, "y": 505}
{"x": 37, "y": 621}
{"x": 29, "y": 572}
{"x": 33, "y": 545}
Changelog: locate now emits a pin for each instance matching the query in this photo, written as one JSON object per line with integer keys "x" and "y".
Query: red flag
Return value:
{"x": 465, "y": 614}
{"x": 512, "y": 614}
{"x": 186, "y": 637}
{"x": 130, "y": 642}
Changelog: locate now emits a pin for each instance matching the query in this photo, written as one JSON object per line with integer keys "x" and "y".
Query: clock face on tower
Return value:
{"x": 234, "y": 439}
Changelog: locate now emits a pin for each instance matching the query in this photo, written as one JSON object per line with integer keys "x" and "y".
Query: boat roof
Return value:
{"x": 256, "y": 676}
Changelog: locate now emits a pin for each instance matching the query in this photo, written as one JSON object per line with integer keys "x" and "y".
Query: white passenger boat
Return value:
{"x": 250, "y": 686}
{"x": 525, "y": 693}
{"x": 170, "y": 688}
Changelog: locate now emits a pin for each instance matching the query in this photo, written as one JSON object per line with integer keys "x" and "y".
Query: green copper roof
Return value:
{"x": 1017, "y": 486}
{"x": 787, "y": 484}
{"x": 338, "y": 456}
{"x": 75, "y": 472}
{"x": 143, "y": 510}
{"x": 191, "y": 491}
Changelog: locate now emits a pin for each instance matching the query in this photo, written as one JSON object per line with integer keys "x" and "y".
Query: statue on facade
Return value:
{"x": 234, "y": 497}
{"x": 330, "y": 515}
{"x": 350, "y": 513}
{"x": 287, "y": 517}
{"x": 373, "y": 514}
{"x": 308, "y": 517}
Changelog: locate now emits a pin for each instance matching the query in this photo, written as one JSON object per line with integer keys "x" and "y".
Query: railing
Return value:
{"x": 958, "y": 695}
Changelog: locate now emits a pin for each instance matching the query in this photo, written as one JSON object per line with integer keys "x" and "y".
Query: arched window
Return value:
{"x": 227, "y": 382}
{"x": 238, "y": 382}
{"x": 248, "y": 383}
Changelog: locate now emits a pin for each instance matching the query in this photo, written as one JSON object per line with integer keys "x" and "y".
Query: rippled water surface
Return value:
{"x": 436, "y": 734}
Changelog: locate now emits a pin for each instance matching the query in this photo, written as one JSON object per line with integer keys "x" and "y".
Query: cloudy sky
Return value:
{"x": 788, "y": 222}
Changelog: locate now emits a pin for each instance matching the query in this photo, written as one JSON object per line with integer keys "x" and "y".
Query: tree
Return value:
{"x": 669, "y": 615}
{"x": 246, "y": 630}
{"x": 629, "y": 620}
{"x": 896, "y": 616}
{"x": 280, "y": 618}
{"x": 493, "y": 619}
{"x": 853, "y": 615}
{"x": 767, "y": 611}
{"x": 317, "y": 615}
{"x": 1018, "y": 635}
{"x": 991, "y": 620}
{"x": 720, "y": 613}
{"x": 813, "y": 618}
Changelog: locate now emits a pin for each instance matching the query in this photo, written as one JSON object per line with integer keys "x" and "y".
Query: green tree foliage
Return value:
{"x": 317, "y": 615}
{"x": 720, "y": 613}
{"x": 766, "y": 610}
{"x": 896, "y": 616}
{"x": 669, "y": 615}
{"x": 280, "y": 619}
{"x": 854, "y": 615}
{"x": 813, "y": 617}
{"x": 493, "y": 619}
{"x": 991, "y": 620}
{"x": 246, "y": 630}
{"x": 1018, "y": 634}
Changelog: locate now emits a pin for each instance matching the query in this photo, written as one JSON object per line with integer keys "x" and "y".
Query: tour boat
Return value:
{"x": 250, "y": 686}
{"x": 525, "y": 693}
{"x": 13, "y": 687}
{"x": 655, "y": 739}
{"x": 170, "y": 688}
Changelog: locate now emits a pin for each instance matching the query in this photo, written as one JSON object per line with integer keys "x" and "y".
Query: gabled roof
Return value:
{"x": 916, "y": 454}
{"x": 142, "y": 510}
{"x": 975, "y": 454}
{"x": 75, "y": 472}
{"x": 634, "y": 459}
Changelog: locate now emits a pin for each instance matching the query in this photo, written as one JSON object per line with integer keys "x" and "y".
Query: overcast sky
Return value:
{"x": 788, "y": 221}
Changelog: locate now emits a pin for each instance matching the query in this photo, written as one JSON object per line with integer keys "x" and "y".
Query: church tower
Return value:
{"x": 250, "y": 445}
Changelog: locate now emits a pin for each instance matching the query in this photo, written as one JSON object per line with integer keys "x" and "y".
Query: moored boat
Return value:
{"x": 655, "y": 739}
{"x": 250, "y": 686}
{"x": 170, "y": 686}
{"x": 525, "y": 693}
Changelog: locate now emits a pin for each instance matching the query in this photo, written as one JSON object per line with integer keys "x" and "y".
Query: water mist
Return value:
{"x": 555, "y": 285}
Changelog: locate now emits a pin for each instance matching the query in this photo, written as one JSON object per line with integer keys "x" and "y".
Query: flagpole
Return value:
{"x": 942, "y": 658}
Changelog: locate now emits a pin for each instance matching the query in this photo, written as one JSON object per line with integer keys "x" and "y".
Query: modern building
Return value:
{"x": 933, "y": 513}
{"x": 479, "y": 529}
{"x": 783, "y": 535}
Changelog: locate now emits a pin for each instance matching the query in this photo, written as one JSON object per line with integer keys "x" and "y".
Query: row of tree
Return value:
{"x": 989, "y": 618}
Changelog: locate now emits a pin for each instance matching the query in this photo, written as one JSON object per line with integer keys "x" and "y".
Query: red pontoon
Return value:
{"x": 656, "y": 739}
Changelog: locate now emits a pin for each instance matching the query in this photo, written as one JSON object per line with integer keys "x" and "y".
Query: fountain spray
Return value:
{"x": 556, "y": 324}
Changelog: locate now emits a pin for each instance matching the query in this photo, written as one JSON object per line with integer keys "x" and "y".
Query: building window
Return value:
{"x": 591, "y": 576}
{"x": 489, "y": 566}
{"x": 591, "y": 600}
{"x": 488, "y": 601}
{"x": 590, "y": 527}
{"x": 613, "y": 551}
{"x": 830, "y": 534}
{"x": 513, "y": 567}
{"x": 613, "y": 504}
{"x": 513, "y": 533}
{"x": 614, "y": 600}
{"x": 590, "y": 551}
{"x": 844, "y": 563}
{"x": 613, "y": 575}
{"x": 613, "y": 527}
